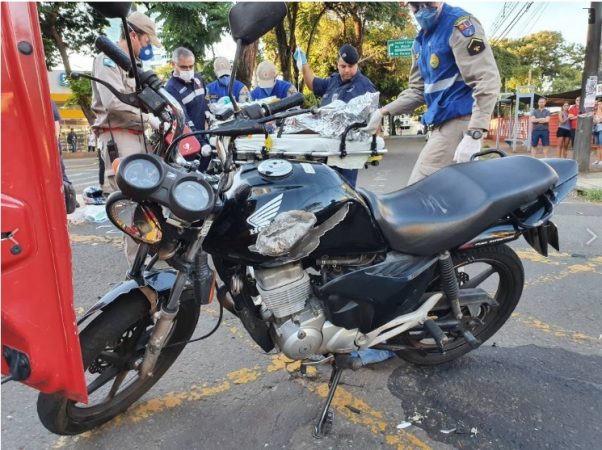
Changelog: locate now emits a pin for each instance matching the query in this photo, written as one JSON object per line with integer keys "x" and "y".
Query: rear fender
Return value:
{"x": 153, "y": 286}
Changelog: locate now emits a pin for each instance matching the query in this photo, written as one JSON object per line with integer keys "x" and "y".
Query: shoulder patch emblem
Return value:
{"x": 434, "y": 60}
{"x": 475, "y": 46}
{"x": 108, "y": 62}
{"x": 465, "y": 26}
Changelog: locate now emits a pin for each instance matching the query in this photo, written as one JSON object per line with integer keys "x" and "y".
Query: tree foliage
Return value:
{"x": 543, "y": 58}
{"x": 320, "y": 28}
{"x": 70, "y": 27}
{"x": 194, "y": 25}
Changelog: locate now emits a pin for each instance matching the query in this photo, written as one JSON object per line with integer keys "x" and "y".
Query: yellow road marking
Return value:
{"x": 369, "y": 418}
{"x": 537, "y": 324}
{"x": 588, "y": 266}
{"x": 94, "y": 240}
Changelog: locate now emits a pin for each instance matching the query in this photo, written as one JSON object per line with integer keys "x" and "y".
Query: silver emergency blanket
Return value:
{"x": 333, "y": 118}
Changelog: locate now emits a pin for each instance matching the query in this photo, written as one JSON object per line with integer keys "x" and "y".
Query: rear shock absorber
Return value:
{"x": 449, "y": 283}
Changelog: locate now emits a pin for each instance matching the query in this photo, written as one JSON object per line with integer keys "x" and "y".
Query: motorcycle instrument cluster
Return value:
{"x": 145, "y": 177}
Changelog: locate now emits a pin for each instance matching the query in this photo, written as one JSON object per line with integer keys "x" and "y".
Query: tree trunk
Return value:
{"x": 292, "y": 40}
{"x": 247, "y": 64}
{"x": 310, "y": 40}
{"x": 283, "y": 51}
{"x": 358, "y": 26}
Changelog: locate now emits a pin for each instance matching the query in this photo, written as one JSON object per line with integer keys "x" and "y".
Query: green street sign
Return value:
{"x": 399, "y": 48}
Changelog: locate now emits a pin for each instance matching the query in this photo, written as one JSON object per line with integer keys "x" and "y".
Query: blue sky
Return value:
{"x": 570, "y": 18}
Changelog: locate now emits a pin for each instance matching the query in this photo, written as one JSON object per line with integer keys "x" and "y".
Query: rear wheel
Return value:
{"x": 497, "y": 270}
{"x": 112, "y": 345}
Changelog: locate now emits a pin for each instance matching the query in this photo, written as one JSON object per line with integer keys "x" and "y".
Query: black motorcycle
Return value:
{"x": 309, "y": 265}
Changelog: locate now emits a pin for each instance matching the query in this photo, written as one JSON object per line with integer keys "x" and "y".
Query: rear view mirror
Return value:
{"x": 112, "y": 9}
{"x": 251, "y": 20}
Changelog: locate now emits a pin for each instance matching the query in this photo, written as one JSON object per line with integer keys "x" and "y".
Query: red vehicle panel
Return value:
{"x": 38, "y": 320}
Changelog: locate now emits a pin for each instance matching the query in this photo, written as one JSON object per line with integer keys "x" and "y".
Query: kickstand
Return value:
{"x": 327, "y": 415}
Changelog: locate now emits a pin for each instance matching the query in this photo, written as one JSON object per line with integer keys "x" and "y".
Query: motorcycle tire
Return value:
{"x": 506, "y": 263}
{"x": 108, "y": 333}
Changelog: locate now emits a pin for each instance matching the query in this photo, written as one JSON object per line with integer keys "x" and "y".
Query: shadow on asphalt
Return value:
{"x": 525, "y": 397}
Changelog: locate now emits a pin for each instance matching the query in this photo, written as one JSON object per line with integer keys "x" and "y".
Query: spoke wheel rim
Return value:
{"x": 455, "y": 338}
{"x": 123, "y": 357}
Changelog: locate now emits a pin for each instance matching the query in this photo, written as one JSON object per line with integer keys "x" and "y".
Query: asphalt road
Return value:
{"x": 534, "y": 385}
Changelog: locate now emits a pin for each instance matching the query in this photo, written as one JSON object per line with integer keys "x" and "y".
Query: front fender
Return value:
{"x": 157, "y": 282}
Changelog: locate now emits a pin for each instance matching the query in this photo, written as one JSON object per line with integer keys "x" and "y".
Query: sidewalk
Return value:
{"x": 78, "y": 154}
{"x": 592, "y": 180}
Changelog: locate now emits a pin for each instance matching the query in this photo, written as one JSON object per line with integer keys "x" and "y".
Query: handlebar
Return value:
{"x": 105, "y": 45}
{"x": 284, "y": 104}
{"x": 257, "y": 111}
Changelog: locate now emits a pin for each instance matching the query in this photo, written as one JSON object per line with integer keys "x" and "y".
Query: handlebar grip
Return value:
{"x": 105, "y": 45}
{"x": 284, "y": 104}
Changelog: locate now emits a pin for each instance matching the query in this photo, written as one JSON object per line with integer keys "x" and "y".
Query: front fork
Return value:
{"x": 165, "y": 318}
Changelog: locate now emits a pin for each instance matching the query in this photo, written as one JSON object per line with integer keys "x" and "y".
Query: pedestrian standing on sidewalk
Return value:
{"x": 564, "y": 131}
{"x": 573, "y": 116}
{"x": 598, "y": 133}
{"x": 72, "y": 141}
{"x": 91, "y": 141}
{"x": 455, "y": 74}
{"x": 540, "y": 121}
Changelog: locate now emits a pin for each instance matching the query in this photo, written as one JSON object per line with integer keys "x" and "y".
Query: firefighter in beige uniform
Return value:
{"x": 117, "y": 123}
{"x": 454, "y": 73}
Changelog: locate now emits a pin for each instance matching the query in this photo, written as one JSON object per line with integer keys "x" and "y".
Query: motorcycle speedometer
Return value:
{"x": 191, "y": 198}
{"x": 139, "y": 175}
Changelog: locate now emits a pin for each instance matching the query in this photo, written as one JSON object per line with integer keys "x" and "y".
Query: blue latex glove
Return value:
{"x": 300, "y": 57}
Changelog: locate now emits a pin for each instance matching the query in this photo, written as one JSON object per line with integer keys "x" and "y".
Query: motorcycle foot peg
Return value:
{"x": 472, "y": 341}
{"x": 436, "y": 333}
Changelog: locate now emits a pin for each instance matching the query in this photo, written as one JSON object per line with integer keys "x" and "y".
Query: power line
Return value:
{"x": 503, "y": 17}
{"x": 518, "y": 16}
{"x": 535, "y": 20}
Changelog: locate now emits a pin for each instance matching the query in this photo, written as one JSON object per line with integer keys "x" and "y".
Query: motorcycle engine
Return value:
{"x": 299, "y": 325}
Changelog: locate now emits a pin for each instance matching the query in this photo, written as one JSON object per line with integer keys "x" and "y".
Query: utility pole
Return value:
{"x": 583, "y": 136}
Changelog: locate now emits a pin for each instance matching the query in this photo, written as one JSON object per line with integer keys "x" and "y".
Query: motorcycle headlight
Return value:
{"x": 139, "y": 175}
{"x": 141, "y": 222}
{"x": 191, "y": 198}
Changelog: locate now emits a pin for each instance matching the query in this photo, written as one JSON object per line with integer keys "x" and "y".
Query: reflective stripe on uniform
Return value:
{"x": 440, "y": 85}
{"x": 190, "y": 97}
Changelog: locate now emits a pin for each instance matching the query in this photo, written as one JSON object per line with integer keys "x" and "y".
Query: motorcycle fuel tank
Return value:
{"x": 260, "y": 192}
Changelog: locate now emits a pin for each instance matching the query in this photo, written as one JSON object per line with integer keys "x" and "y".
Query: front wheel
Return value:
{"x": 112, "y": 345}
{"x": 499, "y": 271}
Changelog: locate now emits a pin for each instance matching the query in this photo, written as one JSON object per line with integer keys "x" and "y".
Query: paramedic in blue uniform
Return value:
{"x": 454, "y": 73}
{"x": 268, "y": 85}
{"x": 219, "y": 88}
{"x": 188, "y": 87}
{"x": 348, "y": 82}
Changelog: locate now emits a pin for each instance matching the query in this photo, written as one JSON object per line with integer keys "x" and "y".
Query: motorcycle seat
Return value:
{"x": 456, "y": 203}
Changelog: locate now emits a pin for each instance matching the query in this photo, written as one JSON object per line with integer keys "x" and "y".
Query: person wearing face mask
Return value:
{"x": 188, "y": 87}
{"x": 120, "y": 127}
{"x": 268, "y": 85}
{"x": 219, "y": 88}
{"x": 347, "y": 83}
{"x": 454, "y": 73}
